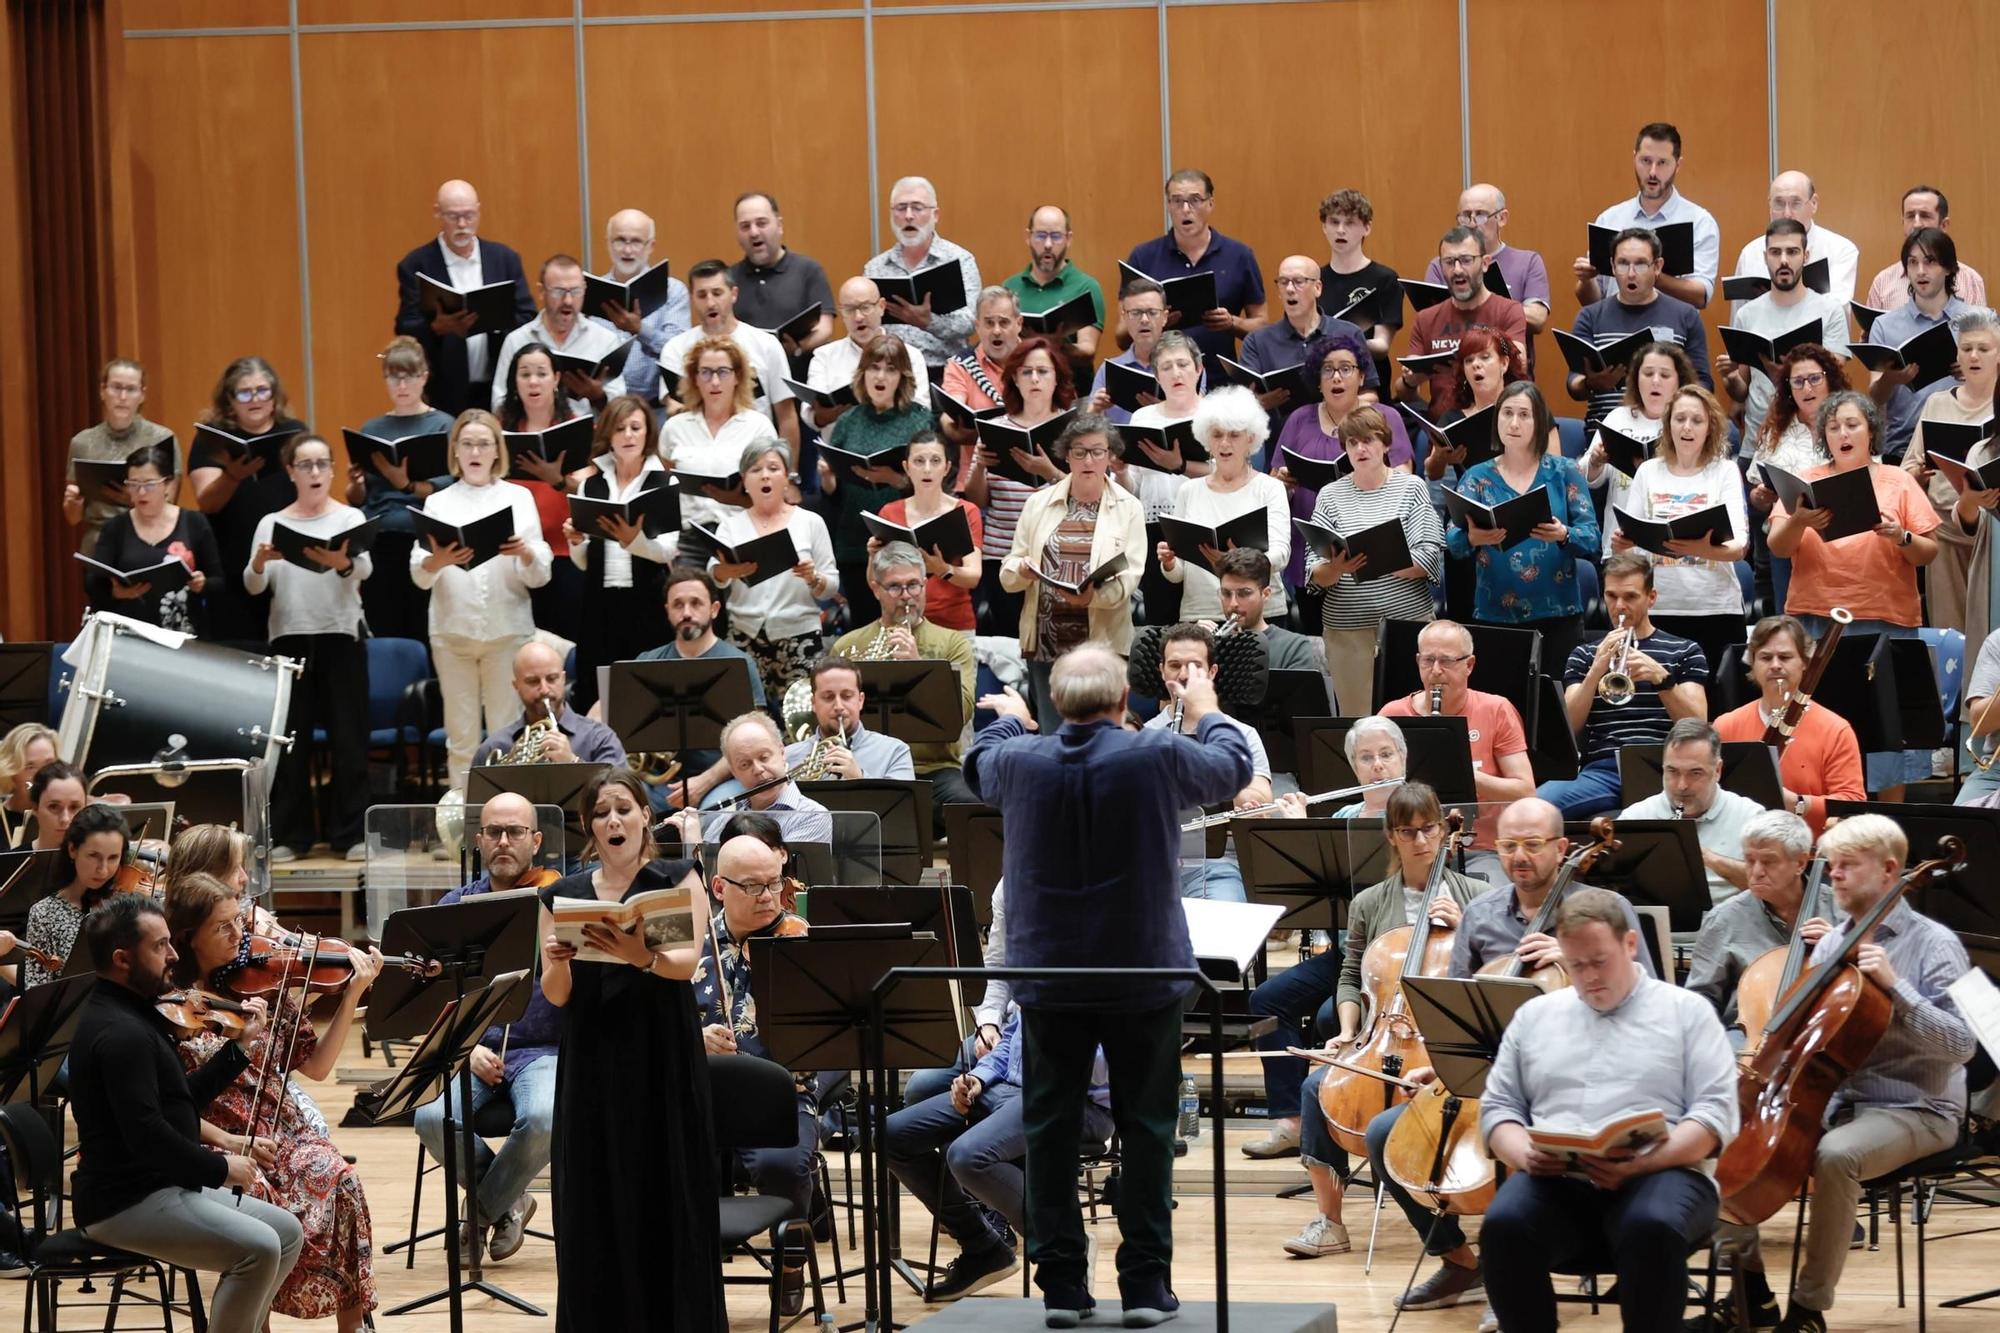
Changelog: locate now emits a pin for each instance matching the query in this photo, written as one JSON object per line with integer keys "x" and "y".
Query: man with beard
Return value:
{"x": 1462, "y": 254}
{"x": 145, "y": 1182}
{"x": 774, "y": 283}
{"x": 834, "y": 363}
{"x": 694, "y": 605}
{"x": 1050, "y": 280}
{"x": 628, "y": 235}
{"x": 1788, "y": 305}
{"x": 913, "y": 216}
{"x": 1656, "y": 166}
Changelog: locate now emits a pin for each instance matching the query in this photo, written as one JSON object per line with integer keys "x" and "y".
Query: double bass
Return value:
{"x": 1435, "y": 1151}
{"x": 1389, "y": 1042}
{"x": 1772, "y": 975}
{"x": 1819, "y": 1036}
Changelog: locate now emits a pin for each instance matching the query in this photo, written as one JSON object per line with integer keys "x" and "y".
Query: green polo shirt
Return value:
{"x": 1037, "y": 297}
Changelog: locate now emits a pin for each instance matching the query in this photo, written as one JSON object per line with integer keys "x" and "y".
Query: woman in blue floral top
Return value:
{"x": 1533, "y": 584}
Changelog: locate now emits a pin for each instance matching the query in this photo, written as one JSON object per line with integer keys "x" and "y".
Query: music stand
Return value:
{"x": 1961, "y": 900}
{"x": 1658, "y": 862}
{"x": 918, "y": 701}
{"x": 1310, "y": 867}
{"x": 35, "y": 1031}
{"x": 676, "y": 703}
{"x": 1748, "y": 769}
{"x": 441, "y": 1066}
{"x": 560, "y": 785}
{"x": 1505, "y": 661}
{"x": 26, "y": 877}
{"x": 943, "y": 910}
{"x": 476, "y": 940}
{"x": 902, "y": 811}
{"x": 1921, "y": 709}
{"x": 1859, "y": 684}
{"x": 1440, "y": 754}
{"x": 1552, "y": 751}
{"x": 976, "y": 853}
{"x": 1287, "y": 696}
{"x": 24, "y": 683}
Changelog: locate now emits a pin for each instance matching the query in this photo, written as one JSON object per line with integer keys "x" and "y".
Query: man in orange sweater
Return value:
{"x": 1822, "y": 759}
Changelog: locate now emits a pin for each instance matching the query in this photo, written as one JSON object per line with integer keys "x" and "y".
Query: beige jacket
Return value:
{"x": 1121, "y": 530}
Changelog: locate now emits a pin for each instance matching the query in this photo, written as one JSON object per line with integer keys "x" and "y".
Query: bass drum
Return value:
{"x": 131, "y": 693}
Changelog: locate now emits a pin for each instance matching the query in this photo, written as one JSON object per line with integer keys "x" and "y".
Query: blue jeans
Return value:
{"x": 504, "y": 1176}
{"x": 1641, "y": 1231}
{"x": 1441, "y": 1235}
{"x": 1316, "y": 1142}
{"x": 1220, "y": 880}
{"x": 1592, "y": 791}
{"x": 788, "y": 1171}
{"x": 1298, "y": 991}
{"x": 1978, "y": 783}
{"x": 984, "y": 1153}
{"x": 927, "y": 1083}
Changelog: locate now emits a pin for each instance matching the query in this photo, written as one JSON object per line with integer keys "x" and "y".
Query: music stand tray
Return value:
{"x": 1310, "y": 867}
{"x": 902, "y": 808}
{"x": 1748, "y": 769}
{"x": 813, "y": 1001}
{"x": 24, "y": 683}
{"x": 1440, "y": 754}
{"x": 943, "y": 910}
{"x": 448, "y": 1041}
{"x": 26, "y": 877}
{"x": 1287, "y": 695}
{"x": 35, "y": 1032}
{"x": 1462, "y": 1020}
{"x": 918, "y": 701}
{"x": 676, "y": 703}
{"x": 1658, "y": 863}
{"x": 1505, "y": 661}
{"x": 976, "y": 853}
{"x": 1859, "y": 684}
{"x": 560, "y": 785}
{"x": 478, "y": 939}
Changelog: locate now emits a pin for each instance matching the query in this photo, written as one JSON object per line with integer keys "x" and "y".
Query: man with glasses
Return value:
{"x": 712, "y": 292}
{"x": 1691, "y": 788}
{"x": 628, "y": 235}
{"x": 774, "y": 283}
{"x": 1637, "y": 304}
{"x": 1789, "y": 305}
{"x": 1462, "y": 255}
{"x": 1484, "y": 209}
{"x": 1191, "y": 245}
{"x": 1501, "y": 771}
{"x": 1794, "y": 198}
{"x": 834, "y": 363}
{"x": 896, "y": 577}
{"x": 1050, "y": 280}
{"x": 913, "y": 217}
{"x": 561, "y": 327}
{"x": 462, "y": 359}
{"x": 1656, "y": 167}
{"x": 1142, "y": 308}
{"x": 1283, "y": 342}
{"x": 542, "y": 685}
{"x": 516, "y": 1063}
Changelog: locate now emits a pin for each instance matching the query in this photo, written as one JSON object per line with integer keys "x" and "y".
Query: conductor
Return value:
{"x": 1091, "y": 855}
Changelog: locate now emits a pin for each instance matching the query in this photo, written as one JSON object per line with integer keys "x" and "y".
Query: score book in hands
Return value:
{"x": 422, "y": 455}
{"x": 1850, "y": 495}
{"x": 269, "y": 448}
{"x": 1250, "y": 528}
{"x": 492, "y": 305}
{"x": 483, "y": 536}
{"x": 944, "y": 285}
{"x": 950, "y": 534}
{"x": 168, "y": 575}
{"x": 666, "y": 915}
{"x": 566, "y": 444}
{"x": 774, "y": 553}
{"x": 1630, "y": 1135}
{"x": 293, "y": 544}
{"x": 645, "y": 293}
{"x": 655, "y": 511}
{"x": 1385, "y": 545}
{"x": 1653, "y": 534}
{"x": 1193, "y": 294}
{"x": 1520, "y": 516}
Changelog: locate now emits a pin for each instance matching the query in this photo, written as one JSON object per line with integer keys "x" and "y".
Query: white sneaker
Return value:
{"x": 281, "y": 854}
{"x": 1488, "y": 1321}
{"x": 1321, "y": 1236}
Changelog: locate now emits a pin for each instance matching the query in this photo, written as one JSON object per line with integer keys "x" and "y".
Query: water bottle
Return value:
{"x": 1189, "y": 1124}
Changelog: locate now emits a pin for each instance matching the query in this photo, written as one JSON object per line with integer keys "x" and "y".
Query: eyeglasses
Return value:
{"x": 460, "y": 215}
{"x": 1036, "y": 372}
{"x": 1141, "y": 313}
{"x": 1415, "y": 832}
{"x": 397, "y": 379}
{"x": 903, "y": 589}
{"x": 1532, "y": 846}
{"x": 1434, "y": 661}
{"x": 1047, "y": 237}
{"x": 861, "y": 308}
{"x": 1473, "y": 217}
{"x": 1338, "y": 370}
{"x": 312, "y": 465}
{"x": 912, "y": 210}
{"x": 262, "y": 393}
{"x": 477, "y": 445}
{"x": 145, "y": 487}
{"x": 125, "y": 390}
{"x": 1186, "y": 200}
{"x": 754, "y": 890}
{"x": 506, "y": 832}
{"x": 1460, "y": 261}
{"x": 1089, "y": 454}
{"x": 715, "y": 372}
{"x": 1807, "y": 381}
{"x": 562, "y": 293}
{"x": 1289, "y": 283}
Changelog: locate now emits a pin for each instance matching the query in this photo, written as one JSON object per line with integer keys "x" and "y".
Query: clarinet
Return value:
{"x": 1437, "y": 701}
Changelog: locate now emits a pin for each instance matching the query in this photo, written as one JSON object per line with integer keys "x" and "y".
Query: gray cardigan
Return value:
{"x": 1377, "y": 910}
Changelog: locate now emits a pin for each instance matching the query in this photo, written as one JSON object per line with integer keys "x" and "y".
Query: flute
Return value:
{"x": 1271, "y": 807}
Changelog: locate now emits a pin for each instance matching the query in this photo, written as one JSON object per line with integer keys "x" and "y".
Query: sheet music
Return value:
{"x": 1979, "y": 1000}
{"x": 1232, "y": 931}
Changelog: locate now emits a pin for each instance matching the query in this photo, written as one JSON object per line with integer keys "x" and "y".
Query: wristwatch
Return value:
{"x": 1800, "y": 808}
{"x": 1908, "y": 537}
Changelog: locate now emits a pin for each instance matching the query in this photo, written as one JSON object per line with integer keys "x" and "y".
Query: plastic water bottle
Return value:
{"x": 1189, "y": 1125}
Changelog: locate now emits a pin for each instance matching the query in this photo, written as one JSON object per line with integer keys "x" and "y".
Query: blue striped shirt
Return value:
{"x": 1643, "y": 721}
{"x": 1920, "y": 1061}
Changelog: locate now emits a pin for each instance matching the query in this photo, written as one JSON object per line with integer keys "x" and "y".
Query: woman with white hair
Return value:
{"x": 1232, "y": 426}
{"x": 1377, "y": 752}
{"x": 1959, "y": 583}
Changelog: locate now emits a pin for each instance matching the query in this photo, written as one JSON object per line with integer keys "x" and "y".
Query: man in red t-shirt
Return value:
{"x": 1501, "y": 772}
{"x": 1822, "y": 759}
{"x": 1462, "y": 255}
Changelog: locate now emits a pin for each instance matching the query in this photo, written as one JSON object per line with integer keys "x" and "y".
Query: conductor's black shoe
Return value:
{"x": 1148, "y": 1303}
{"x": 1065, "y": 1305}
{"x": 972, "y": 1272}
{"x": 792, "y": 1291}
{"x": 1798, "y": 1319}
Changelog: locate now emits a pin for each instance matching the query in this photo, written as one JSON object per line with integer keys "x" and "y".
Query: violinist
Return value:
{"x": 300, "y": 1169}
{"x": 1417, "y": 835}
{"x": 94, "y": 846}
{"x": 1614, "y": 1042}
{"x": 517, "y": 1062}
{"x": 144, "y": 1182}
{"x": 1776, "y": 847}
{"x": 1906, "y": 1101}
{"x": 1823, "y": 758}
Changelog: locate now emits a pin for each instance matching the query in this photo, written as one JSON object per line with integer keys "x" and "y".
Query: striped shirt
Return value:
{"x": 1346, "y": 508}
{"x": 1644, "y": 720}
{"x": 1920, "y": 1062}
{"x": 1669, "y": 319}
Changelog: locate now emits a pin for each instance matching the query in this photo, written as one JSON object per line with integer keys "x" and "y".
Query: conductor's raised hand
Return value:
{"x": 1009, "y": 703}
{"x": 1198, "y": 690}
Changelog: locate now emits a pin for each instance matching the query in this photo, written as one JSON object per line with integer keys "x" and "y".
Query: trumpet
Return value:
{"x": 1615, "y": 686}
{"x": 1272, "y": 807}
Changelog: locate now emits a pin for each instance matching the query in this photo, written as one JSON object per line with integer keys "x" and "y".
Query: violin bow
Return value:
{"x": 270, "y": 1053}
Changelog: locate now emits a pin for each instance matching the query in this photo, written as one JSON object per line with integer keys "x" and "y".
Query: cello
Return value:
{"x": 1389, "y": 1042}
{"x": 1435, "y": 1150}
{"x": 1819, "y": 1036}
{"x": 1772, "y": 975}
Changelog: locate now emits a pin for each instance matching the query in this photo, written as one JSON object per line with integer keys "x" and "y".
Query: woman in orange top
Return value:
{"x": 1874, "y": 573}
{"x": 1822, "y": 759}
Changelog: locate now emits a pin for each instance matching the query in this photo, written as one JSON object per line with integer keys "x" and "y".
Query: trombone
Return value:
{"x": 1615, "y": 686}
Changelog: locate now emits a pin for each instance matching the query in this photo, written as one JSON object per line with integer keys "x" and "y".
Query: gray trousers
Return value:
{"x": 1874, "y": 1142}
{"x": 252, "y": 1244}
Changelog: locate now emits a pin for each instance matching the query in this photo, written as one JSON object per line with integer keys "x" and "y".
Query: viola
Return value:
{"x": 1772, "y": 975}
{"x": 1389, "y": 1041}
{"x": 1820, "y": 1035}
{"x": 190, "y": 1012}
{"x": 325, "y": 968}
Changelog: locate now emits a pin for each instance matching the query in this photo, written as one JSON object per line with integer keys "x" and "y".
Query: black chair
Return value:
{"x": 58, "y": 1256}
{"x": 1599, "y": 1261}
{"x": 494, "y": 1120}
{"x": 756, "y": 1106}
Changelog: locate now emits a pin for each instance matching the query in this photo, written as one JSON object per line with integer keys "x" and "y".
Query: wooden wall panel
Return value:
{"x": 1277, "y": 145}
{"x": 141, "y": 15}
{"x": 374, "y": 162}
{"x": 1085, "y": 135}
{"x": 1553, "y": 127}
{"x": 214, "y": 215}
{"x": 1848, "y": 64}
{"x": 25, "y": 496}
{"x": 429, "y": 11}
{"x": 666, "y": 138}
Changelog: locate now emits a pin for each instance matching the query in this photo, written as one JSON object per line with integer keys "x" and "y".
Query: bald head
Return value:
{"x": 508, "y": 852}
{"x": 1481, "y": 207}
{"x": 752, "y": 862}
{"x": 1793, "y": 195}
{"x": 539, "y": 679}
{"x": 457, "y": 213}
{"x": 628, "y": 235}
{"x": 1530, "y": 817}
{"x": 861, "y": 309}
{"x": 1299, "y": 288}
{"x": 508, "y": 807}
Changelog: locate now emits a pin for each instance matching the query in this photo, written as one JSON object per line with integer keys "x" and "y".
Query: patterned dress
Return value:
{"x": 1058, "y": 627}
{"x": 311, "y": 1180}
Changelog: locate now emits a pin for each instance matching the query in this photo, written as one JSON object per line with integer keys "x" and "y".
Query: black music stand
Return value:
{"x": 1961, "y": 899}
{"x": 560, "y": 785}
{"x": 1552, "y": 748}
{"x": 1859, "y": 684}
{"x": 676, "y": 703}
{"x": 943, "y": 910}
{"x": 442, "y": 1061}
{"x": 26, "y": 877}
{"x": 1288, "y": 695}
{"x": 1310, "y": 867}
{"x": 1440, "y": 754}
{"x": 1505, "y": 662}
{"x": 1920, "y": 707}
{"x": 902, "y": 808}
{"x": 918, "y": 701}
{"x": 1748, "y": 769}
{"x": 1657, "y": 864}
{"x": 35, "y": 1031}
{"x": 24, "y": 683}
{"x": 976, "y": 853}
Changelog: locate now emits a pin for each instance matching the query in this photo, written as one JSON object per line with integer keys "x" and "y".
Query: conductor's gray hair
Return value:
{"x": 1087, "y": 681}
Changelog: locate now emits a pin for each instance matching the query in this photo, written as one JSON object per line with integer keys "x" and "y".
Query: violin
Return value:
{"x": 42, "y": 958}
{"x": 1824, "y": 1031}
{"x": 190, "y": 1012}
{"x": 279, "y": 962}
{"x": 1389, "y": 1041}
{"x": 1772, "y": 975}
{"x": 1435, "y": 1151}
